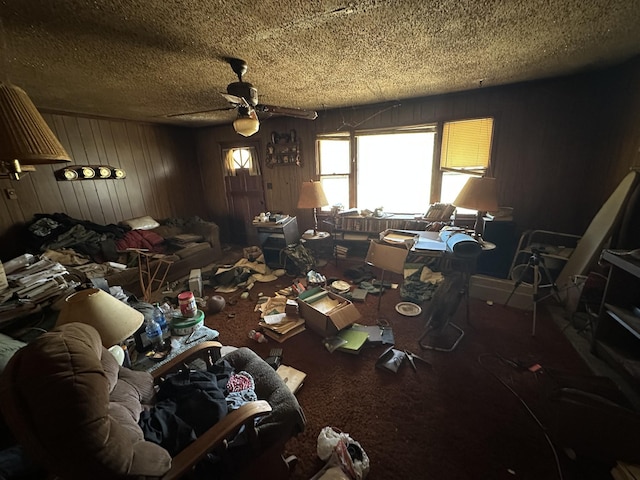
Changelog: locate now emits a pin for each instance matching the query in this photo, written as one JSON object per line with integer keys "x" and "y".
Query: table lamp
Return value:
{"x": 114, "y": 320}
{"x": 479, "y": 193}
{"x": 312, "y": 196}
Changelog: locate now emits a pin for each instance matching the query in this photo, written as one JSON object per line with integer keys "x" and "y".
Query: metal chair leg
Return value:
{"x": 439, "y": 348}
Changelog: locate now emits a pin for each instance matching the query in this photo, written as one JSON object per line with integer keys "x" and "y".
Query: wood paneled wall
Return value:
{"x": 163, "y": 179}
{"x": 561, "y": 146}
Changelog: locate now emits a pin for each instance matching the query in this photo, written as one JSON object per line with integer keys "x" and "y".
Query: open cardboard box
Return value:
{"x": 387, "y": 257}
{"x": 313, "y": 305}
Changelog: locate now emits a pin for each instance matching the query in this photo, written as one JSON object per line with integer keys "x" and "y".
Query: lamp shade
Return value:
{"x": 479, "y": 193}
{"x": 24, "y": 135}
{"x": 312, "y": 195}
{"x": 246, "y": 126}
{"x": 114, "y": 320}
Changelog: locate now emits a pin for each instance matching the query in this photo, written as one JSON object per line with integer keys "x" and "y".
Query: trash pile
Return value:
{"x": 28, "y": 283}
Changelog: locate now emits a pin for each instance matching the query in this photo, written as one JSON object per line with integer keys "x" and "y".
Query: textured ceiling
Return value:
{"x": 144, "y": 59}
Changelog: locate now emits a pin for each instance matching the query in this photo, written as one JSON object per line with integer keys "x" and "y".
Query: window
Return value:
{"x": 394, "y": 169}
{"x": 334, "y": 155}
{"x": 240, "y": 158}
{"x": 391, "y": 169}
{"x": 465, "y": 151}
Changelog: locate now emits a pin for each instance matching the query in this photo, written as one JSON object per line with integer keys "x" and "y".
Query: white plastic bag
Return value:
{"x": 327, "y": 441}
{"x": 339, "y": 449}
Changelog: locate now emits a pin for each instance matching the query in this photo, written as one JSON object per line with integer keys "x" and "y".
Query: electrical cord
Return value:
{"x": 524, "y": 404}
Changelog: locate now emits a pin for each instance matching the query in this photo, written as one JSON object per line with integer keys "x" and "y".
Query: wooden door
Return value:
{"x": 245, "y": 195}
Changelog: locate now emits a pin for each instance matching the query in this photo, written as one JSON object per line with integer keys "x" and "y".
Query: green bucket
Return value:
{"x": 186, "y": 325}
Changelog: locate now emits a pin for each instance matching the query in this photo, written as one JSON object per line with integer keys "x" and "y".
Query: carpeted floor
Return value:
{"x": 455, "y": 419}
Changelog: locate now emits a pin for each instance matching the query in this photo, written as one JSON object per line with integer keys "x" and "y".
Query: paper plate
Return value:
{"x": 408, "y": 309}
{"x": 340, "y": 286}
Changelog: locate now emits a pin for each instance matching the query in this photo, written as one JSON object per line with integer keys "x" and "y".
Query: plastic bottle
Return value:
{"x": 154, "y": 333}
{"x": 159, "y": 317}
{"x": 257, "y": 336}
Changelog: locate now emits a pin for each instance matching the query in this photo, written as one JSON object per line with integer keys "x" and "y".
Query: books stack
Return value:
{"x": 341, "y": 251}
{"x": 281, "y": 328}
{"x": 348, "y": 340}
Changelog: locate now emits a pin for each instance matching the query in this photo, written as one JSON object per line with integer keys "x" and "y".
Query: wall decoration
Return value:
{"x": 284, "y": 149}
{"x": 90, "y": 172}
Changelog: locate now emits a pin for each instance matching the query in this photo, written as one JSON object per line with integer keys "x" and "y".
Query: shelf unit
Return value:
{"x": 355, "y": 231}
{"x": 616, "y": 338}
{"x": 286, "y": 153}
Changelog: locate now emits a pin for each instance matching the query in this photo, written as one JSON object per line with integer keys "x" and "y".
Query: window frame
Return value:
{"x": 437, "y": 170}
{"x": 254, "y": 147}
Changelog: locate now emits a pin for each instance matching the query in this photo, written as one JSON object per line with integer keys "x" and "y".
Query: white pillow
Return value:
{"x": 142, "y": 223}
{"x": 8, "y": 346}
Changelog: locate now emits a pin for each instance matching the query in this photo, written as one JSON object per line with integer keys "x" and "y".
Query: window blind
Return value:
{"x": 466, "y": 145}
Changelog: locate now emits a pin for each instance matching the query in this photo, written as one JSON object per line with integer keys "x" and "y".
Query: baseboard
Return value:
{"x": 498, "y": 291}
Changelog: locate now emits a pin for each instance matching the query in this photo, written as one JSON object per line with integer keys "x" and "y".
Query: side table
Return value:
{"x": 178, "y": 345}
{"x": 320, "y": 245}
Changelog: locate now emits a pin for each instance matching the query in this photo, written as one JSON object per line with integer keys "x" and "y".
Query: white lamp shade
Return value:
{"x": 478, "y": 194}
{"x": 114, "y": 320}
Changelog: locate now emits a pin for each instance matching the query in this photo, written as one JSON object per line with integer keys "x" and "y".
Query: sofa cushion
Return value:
{"x": 287, "y": 415}
{"x": 168, "y": 231}
{"x": 55, "y": 396}
{"x": 192, "y": 250}
{"x": 142, "y": 223}
{"x": 8, "y": 347}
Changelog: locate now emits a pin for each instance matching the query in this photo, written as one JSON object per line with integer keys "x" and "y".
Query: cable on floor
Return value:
{"x": 524, "y": 404}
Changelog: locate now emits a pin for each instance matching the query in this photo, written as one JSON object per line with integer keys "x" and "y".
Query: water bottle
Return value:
{"x": 257, "y": 336}
{"x": 160, "y": 319}
{"x": 154, "y": 334}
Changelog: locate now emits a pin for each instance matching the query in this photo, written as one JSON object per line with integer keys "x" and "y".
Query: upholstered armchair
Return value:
{"x": 75, "y": 412}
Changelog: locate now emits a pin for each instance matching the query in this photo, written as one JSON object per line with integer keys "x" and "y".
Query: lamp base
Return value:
{"x": 314, "y": 235}
{"x": 478, "y": 228}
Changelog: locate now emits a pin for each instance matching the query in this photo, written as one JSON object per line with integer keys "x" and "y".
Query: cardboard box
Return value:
{"x": 313, "y": 305}
{"x": 195, "y": 282}
{"x": 387, "y": 257}
{"x": 498, "y": 290}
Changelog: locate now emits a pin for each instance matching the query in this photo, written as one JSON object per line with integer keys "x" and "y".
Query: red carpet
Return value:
{"x": 454, "y": 420}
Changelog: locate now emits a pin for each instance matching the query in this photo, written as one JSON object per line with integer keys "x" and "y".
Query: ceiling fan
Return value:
{"x": 243, "y": 96}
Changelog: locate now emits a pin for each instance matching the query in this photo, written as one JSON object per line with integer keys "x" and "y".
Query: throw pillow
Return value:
{"x": 142, "y": 223}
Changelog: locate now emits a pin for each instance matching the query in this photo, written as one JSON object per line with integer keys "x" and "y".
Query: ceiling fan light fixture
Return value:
{"x": 247, "y": 122}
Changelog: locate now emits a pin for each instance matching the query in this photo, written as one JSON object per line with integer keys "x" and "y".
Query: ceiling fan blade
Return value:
{"x": 187, "y": 114}
{"x": 234, "y": 99}
{"x": 289, "y": 112}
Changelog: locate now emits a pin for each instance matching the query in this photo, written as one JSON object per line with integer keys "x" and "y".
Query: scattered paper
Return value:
{"x": 275, "y": 318}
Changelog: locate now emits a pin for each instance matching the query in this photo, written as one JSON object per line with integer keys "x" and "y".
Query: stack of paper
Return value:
{"x": 281, "y": 327}
{"x": 341, "y": 251}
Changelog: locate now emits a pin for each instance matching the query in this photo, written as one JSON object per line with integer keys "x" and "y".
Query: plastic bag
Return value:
{"x": 339, "y": 449}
